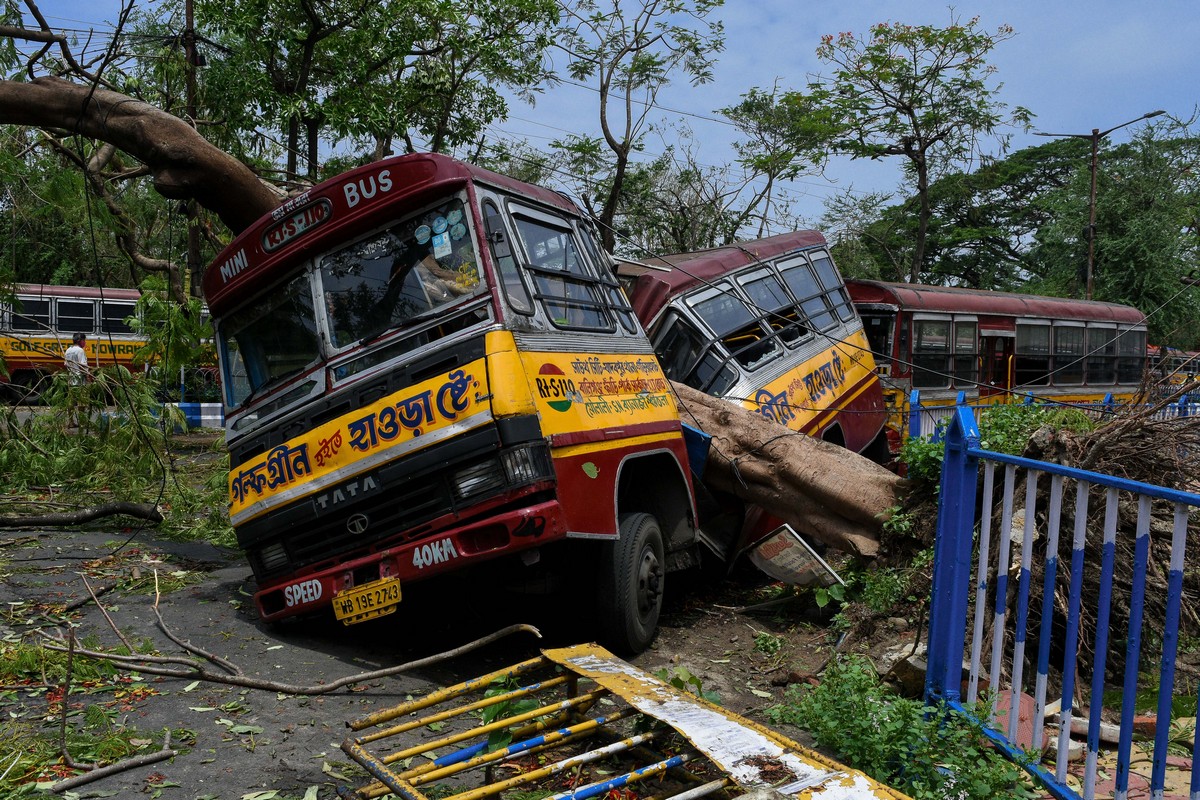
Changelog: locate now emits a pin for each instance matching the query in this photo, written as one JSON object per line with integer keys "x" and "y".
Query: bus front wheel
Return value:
{"x": 632, "y": 573}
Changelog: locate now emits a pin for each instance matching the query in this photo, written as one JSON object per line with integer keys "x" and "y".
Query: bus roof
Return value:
{"x": 339, "y": 210}
{"x": 915, "y": 297}
{"x": 45, "y": 290}
{"x": 655, "y": 286}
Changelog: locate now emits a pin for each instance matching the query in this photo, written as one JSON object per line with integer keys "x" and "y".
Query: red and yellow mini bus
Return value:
{"x": 767, "y": 324}
{"x": 997, "y": 347}
{"x": 429, "y": 367}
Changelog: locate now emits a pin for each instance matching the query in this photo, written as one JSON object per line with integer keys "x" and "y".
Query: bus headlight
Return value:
{"x": 520, "y": 465}
{"x": 477, "y": 478}
{"x": 273, "y": 557}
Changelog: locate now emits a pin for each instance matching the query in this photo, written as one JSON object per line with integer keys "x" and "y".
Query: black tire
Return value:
{"x": 630, "y": 587}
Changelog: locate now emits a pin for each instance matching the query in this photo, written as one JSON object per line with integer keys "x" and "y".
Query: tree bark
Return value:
{"x": 139, "y": 510}
{"x": 828, "y": 492}
{"x": 184, "y": 165}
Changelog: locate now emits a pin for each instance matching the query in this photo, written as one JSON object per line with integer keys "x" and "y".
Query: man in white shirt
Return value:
{"x": 79, "y": 373}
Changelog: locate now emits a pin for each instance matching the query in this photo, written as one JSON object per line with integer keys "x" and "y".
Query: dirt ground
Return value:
{"x": 235, "y": 741}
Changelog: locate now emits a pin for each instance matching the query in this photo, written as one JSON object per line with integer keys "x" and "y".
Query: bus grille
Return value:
{"x": 402, "y": 504}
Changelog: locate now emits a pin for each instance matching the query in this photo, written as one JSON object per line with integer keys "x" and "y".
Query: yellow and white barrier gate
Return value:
{"x": 579, "y": 723}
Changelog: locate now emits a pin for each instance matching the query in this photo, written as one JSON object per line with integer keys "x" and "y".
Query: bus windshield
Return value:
{"x": 375, "y": 285}
{"x": 400, "y": 273}
{"x": 267, "y": 342}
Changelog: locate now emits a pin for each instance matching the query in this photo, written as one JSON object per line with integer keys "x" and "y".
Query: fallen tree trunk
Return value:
{"x": 824, "y": 491}
{"x": 145, "y": 511}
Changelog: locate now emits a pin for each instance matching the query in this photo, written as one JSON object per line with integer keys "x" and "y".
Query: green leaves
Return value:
{"x": 927, "y": 753}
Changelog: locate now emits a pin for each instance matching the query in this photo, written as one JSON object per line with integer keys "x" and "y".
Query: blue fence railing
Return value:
{"x": 924, "y": 420}
{"x": 1048, "y": 585}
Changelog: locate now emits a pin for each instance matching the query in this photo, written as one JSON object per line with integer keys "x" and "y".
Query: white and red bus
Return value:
{"x": 997, "y": 347}
{"x": 38, "y": 322}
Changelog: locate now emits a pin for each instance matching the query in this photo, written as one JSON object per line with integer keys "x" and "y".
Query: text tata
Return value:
{"x": 367, "y": 187}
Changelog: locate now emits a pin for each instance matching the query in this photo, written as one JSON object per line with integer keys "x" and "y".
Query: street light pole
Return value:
{"x": 1095, "y": 136}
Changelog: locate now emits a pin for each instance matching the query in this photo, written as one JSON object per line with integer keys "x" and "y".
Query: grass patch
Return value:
{"x": 899, "y": 741}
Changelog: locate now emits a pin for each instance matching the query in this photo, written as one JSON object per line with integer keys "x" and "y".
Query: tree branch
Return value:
{"x": 79, "y": 517}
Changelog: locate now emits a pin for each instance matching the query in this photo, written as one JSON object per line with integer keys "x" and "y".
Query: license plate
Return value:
{"x": 370, "y": 600}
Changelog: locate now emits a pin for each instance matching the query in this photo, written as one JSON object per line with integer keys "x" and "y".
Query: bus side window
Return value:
{"x": 113, "y": 317}
{"x": 31, "y": 315}
{"x": 931, "y": 354}
{"x": 514, "y": 288}
{"x": 835, "y": 290}
{"x": 966, "y": 353}
{"x": 1033, "y": 355}
{"x": 570, "y": 293}
{"x": 76, "y": 316}
{"x": 738, "y": 328}
{"x": 681, "y": 350}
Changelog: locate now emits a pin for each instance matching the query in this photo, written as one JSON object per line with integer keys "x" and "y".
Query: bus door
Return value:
{"x": 996, "y": 351}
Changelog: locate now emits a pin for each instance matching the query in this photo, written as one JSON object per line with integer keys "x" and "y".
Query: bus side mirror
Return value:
{"x": 500, "y": 245}
{"x": 495, "y": 235}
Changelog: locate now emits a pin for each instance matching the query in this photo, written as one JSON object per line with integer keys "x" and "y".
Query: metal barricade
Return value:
{"x": 580, "y": 723}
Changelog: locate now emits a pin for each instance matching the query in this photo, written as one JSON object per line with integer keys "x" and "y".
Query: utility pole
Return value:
{"x": 193, "y": 232}
{"x": 1095, "y": 136}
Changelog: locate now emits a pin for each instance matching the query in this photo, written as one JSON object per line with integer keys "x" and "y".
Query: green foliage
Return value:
{"x": 918, "y": 92}
{"x": 95, "y": 732}
{"x": 896, "y": 740}
{"x": 121, "y": 452}
{"x": 768, "y": 643}
{"x": 683, "y": 680}
{"x": 628, "y": 51}
{"x": 922, "y": 456}
{"x": 178, "y": 337}
{"x": 364, "y": 72}
{"x": 1003, "y": 428}
{"x": 501, "y": 710}
{"x": 824, "y": 595}
{"x": 22, "y": 662}
{"x": 1007, "y": 428}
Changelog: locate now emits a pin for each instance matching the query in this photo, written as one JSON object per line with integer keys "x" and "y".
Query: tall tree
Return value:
{"x": 372, "y": 71}
{"x": 1146, "y": 242}
{"x": 317, "y": 73}
{"x": 981, "y": 223}
{"x": 773, "y": 149}
{"x": 629, "y": 54}
{"x": 918, "y": 92}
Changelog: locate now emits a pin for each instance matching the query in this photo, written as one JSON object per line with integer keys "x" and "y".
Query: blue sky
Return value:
{"x": 1076, "y": 65}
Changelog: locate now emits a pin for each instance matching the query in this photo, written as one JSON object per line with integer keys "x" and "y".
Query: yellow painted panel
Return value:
{"x": 401, "y": 423}
{"x": 796, "y": 397}
{"x": 585, "y": 392}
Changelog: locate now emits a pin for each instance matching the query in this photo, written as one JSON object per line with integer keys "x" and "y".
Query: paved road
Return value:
{"x": 293, "y": 743}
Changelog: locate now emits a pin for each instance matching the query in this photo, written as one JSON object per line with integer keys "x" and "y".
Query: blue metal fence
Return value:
{"x": 986, "y": 580}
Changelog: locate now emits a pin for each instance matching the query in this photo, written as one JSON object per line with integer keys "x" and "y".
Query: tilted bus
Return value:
{"x": 429, "y": 367}
{"x": 767, "y": 324}
{"x": 39, "y": 321}
{"x": 997, "y": 347}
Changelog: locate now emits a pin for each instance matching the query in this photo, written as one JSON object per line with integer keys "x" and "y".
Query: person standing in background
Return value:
{"x": 79, "y": 373}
